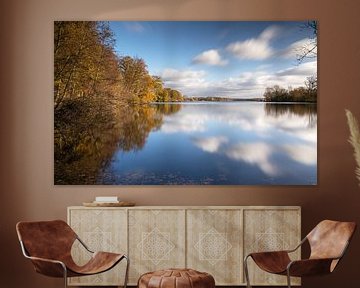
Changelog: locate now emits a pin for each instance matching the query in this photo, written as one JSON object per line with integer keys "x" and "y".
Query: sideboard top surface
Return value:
{"x": 193, "y": 207}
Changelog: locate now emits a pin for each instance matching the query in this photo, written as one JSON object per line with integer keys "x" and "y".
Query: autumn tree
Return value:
{"x": 176, "y": 96}
{"x": 136, "y": 79}
{"x": 163, "y": 95}
{"x": 87, "y": 94}
{"x": 158, "y": 88}
{"x": 94, "y": 93}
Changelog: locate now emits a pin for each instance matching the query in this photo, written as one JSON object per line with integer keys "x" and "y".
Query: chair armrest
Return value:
{"x": 48, "y": 267}
{"x": 267, "y": 254}
{"x": 298, "y": 246}
{"x": 309, "y": 267}
{"x": 279, "y": 251}
{"x": 45, "y": 260}
{"x": 83, "y": 244}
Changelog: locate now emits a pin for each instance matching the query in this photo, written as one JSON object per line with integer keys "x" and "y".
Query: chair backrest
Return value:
{"x": 46, "y": 239}
{"x": 329, "y": 239}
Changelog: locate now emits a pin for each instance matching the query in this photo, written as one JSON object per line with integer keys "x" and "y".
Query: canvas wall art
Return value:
{"x": 185, "y": 102}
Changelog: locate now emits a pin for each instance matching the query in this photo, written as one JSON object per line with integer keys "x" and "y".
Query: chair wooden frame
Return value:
{"x": 58, "y": 268}
{"x": 315, "y": 265}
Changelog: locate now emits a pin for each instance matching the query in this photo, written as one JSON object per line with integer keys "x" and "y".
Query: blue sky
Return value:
{"x": 230, "y": 59}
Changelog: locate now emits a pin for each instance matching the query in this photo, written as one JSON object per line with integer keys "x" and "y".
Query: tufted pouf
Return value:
{"x": 176, "y": 278}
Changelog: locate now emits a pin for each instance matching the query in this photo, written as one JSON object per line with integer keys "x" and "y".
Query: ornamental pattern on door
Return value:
{"x": 101, "y": 230}
{"x": 214, "y": 241}
{"x": 270, "y": 230}
{"x": 156, "y": 241}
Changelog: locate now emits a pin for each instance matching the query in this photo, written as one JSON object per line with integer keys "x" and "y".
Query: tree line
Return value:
{"x": 85, "y": 64}
{"x": 94, "y": 90}
{"x": 140, "y": 87}
{"x": 307, "y": 93}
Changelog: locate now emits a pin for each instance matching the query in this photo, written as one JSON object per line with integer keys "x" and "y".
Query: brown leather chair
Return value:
{"x": 328, "y": 242}
{"x": 48, "y": 245}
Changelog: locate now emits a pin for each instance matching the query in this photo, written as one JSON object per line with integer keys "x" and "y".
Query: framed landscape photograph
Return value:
{"x": 185, "y": 102}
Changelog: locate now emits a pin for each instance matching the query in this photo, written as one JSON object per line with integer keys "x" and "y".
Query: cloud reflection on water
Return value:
{"x": 188, "y": 123}
{"x": 237, "y": 143}
{"x": 210, "y": 144}
{"x": 258, "y": 137}
{"x": 255, "y": 153}
{"x": 248, "y": 118}
{"x": 305, "y": 154}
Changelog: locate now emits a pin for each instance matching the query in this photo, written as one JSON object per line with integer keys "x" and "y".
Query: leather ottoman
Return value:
{"x": 176, "y": 278}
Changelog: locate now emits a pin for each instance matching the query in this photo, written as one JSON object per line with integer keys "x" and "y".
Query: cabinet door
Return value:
{"x": 101, "y": 230}
{"x": 214, "y": 244}
{"x": 270, "y": 230}
{"x": 156, "y": 240}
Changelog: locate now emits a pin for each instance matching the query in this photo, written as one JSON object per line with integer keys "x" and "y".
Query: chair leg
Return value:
{"x": 288, "y": 278}
{"x": 246, "y": 270}
{"x": 127, "y": 271}
{"x": 65, "y": 276}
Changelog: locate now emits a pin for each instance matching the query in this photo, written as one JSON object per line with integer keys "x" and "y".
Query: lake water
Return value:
{"x": 236, "y": 143}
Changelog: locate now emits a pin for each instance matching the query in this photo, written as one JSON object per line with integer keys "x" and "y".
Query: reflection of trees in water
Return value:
{"x": 136, "y": 124}
{"x": 302, "y": 110}
{"x": 139, "y": 121}
{"x": 80, "y": 139}
{"x": 168, "y": 108}
{"x": 85, "y": 144}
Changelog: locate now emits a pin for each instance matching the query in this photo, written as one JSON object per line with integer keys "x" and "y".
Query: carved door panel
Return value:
{"x": 214, "y": 244}
{"x": 269, "y": 230}
{"x": 101, "y": 230}
{"x": 156, "y": 240}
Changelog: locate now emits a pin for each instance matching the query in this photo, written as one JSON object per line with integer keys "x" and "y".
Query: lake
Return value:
{"x": 215, "y": 143}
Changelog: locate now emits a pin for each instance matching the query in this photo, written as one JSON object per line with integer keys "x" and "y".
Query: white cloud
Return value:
{"x": 294, "y": 76}
{"x": 134, "y": 27}
{"x": 253, "y": 84}
{"x": 295, "y": 49}
{"x": 255, "y": 48}
{"x": 210, "y": 57}
{"x": 210, "y": 144}
{"x": 180, "y": 75}
{"x": 304, "y": 69}
{"x": 246, "y": 85}
{"x": 188, "y": 82}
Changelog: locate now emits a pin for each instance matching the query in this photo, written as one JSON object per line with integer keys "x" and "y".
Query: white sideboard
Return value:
{"x": 211, "y": 239}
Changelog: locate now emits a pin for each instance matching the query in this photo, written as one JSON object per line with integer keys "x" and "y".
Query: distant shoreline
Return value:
{"x": 229, "y": 100}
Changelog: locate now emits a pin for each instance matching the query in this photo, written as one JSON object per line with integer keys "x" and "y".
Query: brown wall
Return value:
{"x": 26, "y": 121}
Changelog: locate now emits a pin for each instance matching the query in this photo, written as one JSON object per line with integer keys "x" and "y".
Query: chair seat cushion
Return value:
{"x": 176, "y": 278}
